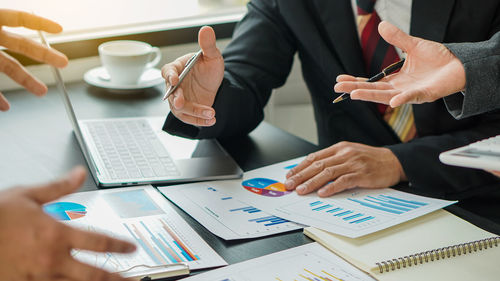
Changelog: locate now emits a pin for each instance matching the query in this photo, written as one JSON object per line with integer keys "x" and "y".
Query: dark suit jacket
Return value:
{"x": 481, "y": 62}
{"x": 323, "y": 32}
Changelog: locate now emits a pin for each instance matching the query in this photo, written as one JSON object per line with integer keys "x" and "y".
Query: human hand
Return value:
{"x": 345, "y": 165}
{"x": 30, "y": 48}
{"x": 430, "y": 72}
{"x": 34, "y": 246}
{"x": 192, "y": 101}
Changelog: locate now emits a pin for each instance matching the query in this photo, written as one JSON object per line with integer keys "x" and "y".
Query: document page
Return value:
{"x": 142, "y": 216}
{"x": 225, "y": 216}
{"x": 352, "y": 213}
{"x": 308, "y": 262}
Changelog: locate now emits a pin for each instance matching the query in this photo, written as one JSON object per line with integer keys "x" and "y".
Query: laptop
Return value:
{"x": 483, "y": 154}
{"x": 136, "y": 151}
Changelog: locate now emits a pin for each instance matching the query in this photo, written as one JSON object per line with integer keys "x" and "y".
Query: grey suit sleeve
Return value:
{"x": 481, "y": 62}
{"x": 258, "y": 59}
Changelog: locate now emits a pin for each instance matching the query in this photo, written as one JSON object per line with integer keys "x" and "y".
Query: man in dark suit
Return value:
{"x": 362, "y": 149}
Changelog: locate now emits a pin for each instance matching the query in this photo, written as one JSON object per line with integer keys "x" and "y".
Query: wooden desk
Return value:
{"x": 37, "y": 144}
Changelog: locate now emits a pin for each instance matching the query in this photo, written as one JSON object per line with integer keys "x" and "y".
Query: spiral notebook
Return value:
{"x": 437, "y": 246}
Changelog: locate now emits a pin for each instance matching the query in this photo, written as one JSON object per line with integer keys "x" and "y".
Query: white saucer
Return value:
{"x": 99, "y": 77}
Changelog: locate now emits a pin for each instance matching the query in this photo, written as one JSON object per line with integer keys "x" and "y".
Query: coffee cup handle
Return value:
{"x": 156, "y": 59}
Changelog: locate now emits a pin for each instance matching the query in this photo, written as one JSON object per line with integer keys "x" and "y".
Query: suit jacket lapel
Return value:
{"x": 337, "y": 21}
{"x": 429, "y": 18}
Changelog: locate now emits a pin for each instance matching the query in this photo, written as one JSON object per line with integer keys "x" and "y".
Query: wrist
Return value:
{"x": 396, "y": 165}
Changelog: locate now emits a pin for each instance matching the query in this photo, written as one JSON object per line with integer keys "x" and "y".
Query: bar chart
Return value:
{"x": 225, "y": 215}
{"x": 160, "y": 241}
{"x": 358, "y": 212}
{"x": 161, "y": 235}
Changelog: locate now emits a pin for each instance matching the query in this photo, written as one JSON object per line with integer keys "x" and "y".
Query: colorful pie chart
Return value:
{"x": 65, "y": 211}
{"x": 265, "y": 187}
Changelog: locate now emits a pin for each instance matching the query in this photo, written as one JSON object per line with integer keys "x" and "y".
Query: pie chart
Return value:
{"x": 65, "y": 211}
{"x": 265, "y": 187}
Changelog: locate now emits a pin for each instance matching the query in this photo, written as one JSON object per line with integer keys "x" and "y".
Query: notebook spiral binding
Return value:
{"x": 436, "y": 254}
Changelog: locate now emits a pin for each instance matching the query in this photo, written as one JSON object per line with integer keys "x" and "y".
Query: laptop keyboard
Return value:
{"x": 131, "y": 149}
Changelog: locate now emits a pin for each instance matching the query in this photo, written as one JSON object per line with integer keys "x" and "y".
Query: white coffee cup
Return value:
{"x": 126, "y": 60}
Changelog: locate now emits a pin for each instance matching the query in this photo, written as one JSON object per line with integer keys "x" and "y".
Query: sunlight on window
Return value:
{"x": 87, "y": 16}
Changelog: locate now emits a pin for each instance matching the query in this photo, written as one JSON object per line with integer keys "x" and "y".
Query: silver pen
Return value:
{"x": 189, "y": 65}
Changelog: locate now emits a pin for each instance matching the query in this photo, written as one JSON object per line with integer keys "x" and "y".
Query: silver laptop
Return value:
{"x": 133, "y": 151}
{"x": 483, "y": 154}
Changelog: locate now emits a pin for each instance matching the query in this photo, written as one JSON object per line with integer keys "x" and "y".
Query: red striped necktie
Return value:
{"x": 377, "y": 55}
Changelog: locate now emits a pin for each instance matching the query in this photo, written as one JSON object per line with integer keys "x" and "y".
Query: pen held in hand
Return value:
{"x": 189, "y": 65}
{"x": 386, "y": 71}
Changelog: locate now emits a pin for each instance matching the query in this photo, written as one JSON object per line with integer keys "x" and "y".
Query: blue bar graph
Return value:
{"x": 248, "y": 209}
{"x": 406, "y": 201}
{"x": 376, "y": 207}
{"x": 269, "y": 220}
{"x": 362, "y": 220}
{"x": 350, "y": 216}
{"x": 389, "y": 204}
{"x": 353, "y": 217}
{"x": 322, "y": 207}
{"x": 334, "y": 210}
{"x": 315, "y": 203}
{"x": 343, "y": 213}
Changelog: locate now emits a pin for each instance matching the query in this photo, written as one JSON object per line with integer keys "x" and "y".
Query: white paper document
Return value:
{"x": 307, "y": 262}
{"x": 352, "y": 213}
{"x": 142, "y": 216}
{"x": 223, "y": 215}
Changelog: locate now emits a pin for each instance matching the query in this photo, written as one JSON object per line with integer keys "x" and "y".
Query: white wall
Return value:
{"x": 289, "y": 108}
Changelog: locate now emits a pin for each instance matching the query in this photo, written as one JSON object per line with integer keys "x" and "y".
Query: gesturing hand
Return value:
{"x": 32, "y": 49}
{"x": 343, "y": 166}
{"x": 34, "y": 246}
{"x": 430, "y": 72}
{"x": 192, "y": 101}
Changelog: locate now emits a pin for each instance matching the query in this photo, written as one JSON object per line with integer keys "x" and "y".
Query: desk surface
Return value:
{"x": 37, "y": 144}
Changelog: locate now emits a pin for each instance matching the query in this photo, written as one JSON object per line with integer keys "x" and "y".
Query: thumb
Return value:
{"x": 206, "y": 39}
{"x": 54, "y": 190}
{"x": 396, "y": 36}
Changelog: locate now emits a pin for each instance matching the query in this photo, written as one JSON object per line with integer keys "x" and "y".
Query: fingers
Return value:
{"x": 191, "y": 113}
{"x": 327, "y": 175}
{"x": 171, "y": 71}
{"x": 342, "y": 183}
{"x": 345, "y": 78}
{"x": 300, "y": 179}
{"x": 20, "y": 75}
{"x": 349, "y": 86}
{"x": 195, "y": 121}
{"x": 396, "y": 37}
{"x": 76, "y": 270}
{"x": 380, "y": 96}
{"x": 57, "y": 189}
{"x": 18, "y": 18}
{"x": 96, "y": 242}
{"x": 414, "y": 96}
{"x": 4, "y": 104}
{"x": 177, "y": 100}
{"x": 207, "y": 41}
{"x": 32, "y": 49}
{"x": 316, "y": 156}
